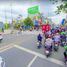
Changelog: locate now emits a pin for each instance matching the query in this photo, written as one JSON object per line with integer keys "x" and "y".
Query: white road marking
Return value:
{"x": 40, "y": 55}
{"x": 4, "y": 48}
{"x": 29, "y": 65}
{"x": 4, "y": 64}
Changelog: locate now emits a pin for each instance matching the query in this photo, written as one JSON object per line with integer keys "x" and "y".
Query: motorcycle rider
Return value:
{"x": 49, "y": 43}
{"x": 56, "y": 38}
{"x": 47, "y": 34}
{"x": 63, "y": 36}
{"x": 39, "y": 38}
{"x": 65, "y": 54}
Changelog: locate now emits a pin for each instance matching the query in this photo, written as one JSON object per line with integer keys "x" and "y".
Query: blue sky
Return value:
{"x": 20, "y": 7}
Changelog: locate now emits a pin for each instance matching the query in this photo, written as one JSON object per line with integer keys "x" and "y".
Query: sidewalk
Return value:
{"x": 7, "y": 31}
{"x": 23, "y": 32}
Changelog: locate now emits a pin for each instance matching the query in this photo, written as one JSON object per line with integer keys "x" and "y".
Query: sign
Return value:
{"x": 45, "y": 28}
{"x": 33, "y": 10}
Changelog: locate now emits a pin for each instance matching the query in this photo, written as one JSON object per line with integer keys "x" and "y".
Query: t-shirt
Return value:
{"x": 49, "y": 42}
{"x": 49, "y": 32}
{"x": 56, "y": 38}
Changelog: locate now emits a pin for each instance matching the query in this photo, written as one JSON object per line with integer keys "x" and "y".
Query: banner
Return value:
{"x": 33, "y": 10}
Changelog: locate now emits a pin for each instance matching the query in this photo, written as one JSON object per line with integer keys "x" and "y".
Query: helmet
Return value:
{"x": 63, "y": 33}
{"x": 49, "y": 36}
{"x": 57, "y": 33}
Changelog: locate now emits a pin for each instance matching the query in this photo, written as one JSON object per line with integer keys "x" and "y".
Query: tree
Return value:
{"x": 28, "y": 22}
{"x": 17, "y": 25}
{"x": 62, "y": 7}
{"x": 6, "y": 25}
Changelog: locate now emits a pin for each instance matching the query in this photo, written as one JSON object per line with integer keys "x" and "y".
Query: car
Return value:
{"x": 2, "y": 62}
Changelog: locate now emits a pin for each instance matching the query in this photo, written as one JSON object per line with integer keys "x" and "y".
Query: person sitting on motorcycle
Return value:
{"x": 52, "y": 31}
{"x": 47, "y": 34}
{"x": 49, "y": 43}
{"x": 56, "y": 38}
{"x": 63, "y": 36}
{"x": 39, "y": 38}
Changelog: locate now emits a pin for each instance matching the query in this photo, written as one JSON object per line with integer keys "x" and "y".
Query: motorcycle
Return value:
{"x": 48, "y": 51}
{"x": 63, "y": 43}
{"x": 66, "y": 62}
{"x": 56, "y": 47}
{"x": 39, "y": 44}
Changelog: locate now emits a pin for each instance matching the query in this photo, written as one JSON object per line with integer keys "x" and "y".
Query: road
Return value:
{"x": 21, "y": 51}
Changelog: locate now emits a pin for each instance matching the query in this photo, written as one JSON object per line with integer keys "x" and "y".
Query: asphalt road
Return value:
{"x": 25, "y": 53}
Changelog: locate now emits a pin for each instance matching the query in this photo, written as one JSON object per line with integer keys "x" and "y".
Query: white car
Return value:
{"x": 2, "y": 62}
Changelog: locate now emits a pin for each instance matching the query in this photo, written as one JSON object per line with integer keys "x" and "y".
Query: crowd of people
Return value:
{"x": 54, "y": 38}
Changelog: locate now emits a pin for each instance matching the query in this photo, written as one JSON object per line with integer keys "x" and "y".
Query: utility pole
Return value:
{"x": 12, "y": 26}
{"x": 5, "y": 14}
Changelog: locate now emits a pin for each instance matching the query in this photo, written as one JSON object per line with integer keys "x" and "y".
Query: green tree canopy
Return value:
{"x": 6, "y": 25}
{"x": 17, "y": 25}
{"x": 62, "y": 8}
{"x": 28, "y": 22}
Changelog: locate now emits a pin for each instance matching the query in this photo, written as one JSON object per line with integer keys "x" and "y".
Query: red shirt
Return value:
{"x": 45, "y": 28}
